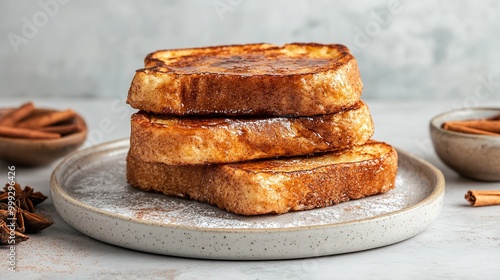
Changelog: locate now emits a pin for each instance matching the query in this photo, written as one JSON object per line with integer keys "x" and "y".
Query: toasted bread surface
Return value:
{"x": 257, "y": 79}
{"x": 277, "y": 185}
{"x": 174, "y": 140}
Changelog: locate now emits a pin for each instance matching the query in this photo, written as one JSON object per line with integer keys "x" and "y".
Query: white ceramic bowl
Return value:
{"x": 472, "y": 156}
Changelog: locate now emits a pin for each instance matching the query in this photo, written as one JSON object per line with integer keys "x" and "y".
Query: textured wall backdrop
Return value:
{"x": 405, "y": 49}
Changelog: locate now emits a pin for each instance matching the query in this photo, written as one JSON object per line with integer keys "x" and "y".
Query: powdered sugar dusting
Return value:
{"x": 101, "y": 184}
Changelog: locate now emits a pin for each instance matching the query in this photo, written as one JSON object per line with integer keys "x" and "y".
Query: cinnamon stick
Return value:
{"x": 488, "y": 125}
{"x": 461, "y": 128}
{"x": 47, "y": 119}
{"x": 483, "y": 197}
{"x": 63, "y": 129}
{"x": 16, "y": 115}
{"x": 15, "y": 132}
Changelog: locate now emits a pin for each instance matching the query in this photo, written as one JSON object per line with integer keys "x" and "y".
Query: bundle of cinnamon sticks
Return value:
{"x": 489, "y": 126}
{"x": 22, "y": 122}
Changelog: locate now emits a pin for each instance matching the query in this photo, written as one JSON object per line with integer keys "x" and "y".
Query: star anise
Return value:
{"x": 14, "y": 217}
{"x": 25, "y": 199}
{"x": 24, "y": 221}
{"x": 18, "y": 218}
{"x": 5, "y": 236}
{"x": 33, "y": 222}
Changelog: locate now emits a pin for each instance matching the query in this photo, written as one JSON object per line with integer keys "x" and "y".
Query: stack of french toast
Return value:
{"x": 256, "y": 129}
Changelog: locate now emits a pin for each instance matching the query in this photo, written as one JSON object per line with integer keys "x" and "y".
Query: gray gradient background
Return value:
{"x": 426, "y": 49}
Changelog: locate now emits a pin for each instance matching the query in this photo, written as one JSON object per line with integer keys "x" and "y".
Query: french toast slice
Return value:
{"x": 175, "y": 140}
{"x": 277, "y": 185}
{"x": 256, "y": 79}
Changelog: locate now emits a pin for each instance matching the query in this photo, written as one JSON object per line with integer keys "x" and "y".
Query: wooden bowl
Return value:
{"x": 38, "y": 152}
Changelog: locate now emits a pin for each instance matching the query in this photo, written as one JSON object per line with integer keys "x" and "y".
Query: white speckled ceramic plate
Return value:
{"x": 91, "y": 194}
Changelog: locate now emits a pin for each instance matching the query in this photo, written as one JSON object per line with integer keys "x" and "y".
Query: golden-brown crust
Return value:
{"x": 254, "y": 188}
{"x": 173, "y": 140}
{"x": 259, "y": 79}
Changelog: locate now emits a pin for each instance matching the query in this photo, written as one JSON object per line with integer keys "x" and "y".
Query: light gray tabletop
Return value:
{"x": 463, "y": 243}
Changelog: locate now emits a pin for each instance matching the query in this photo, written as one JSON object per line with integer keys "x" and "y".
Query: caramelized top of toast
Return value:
{"x": 300, "y": 79}
{"x": 256, "y": 59}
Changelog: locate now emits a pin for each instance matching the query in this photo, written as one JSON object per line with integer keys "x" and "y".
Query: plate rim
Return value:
{"x": 437, "y": 192}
